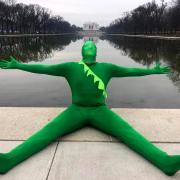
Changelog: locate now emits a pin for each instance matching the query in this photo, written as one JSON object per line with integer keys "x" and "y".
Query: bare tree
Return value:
{"x": 148, "y": 18}
{"x": 22, "y": 18}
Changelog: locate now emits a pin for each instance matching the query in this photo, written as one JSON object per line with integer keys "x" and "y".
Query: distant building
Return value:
{"x": 90, "y": 26}
{"x": 90, "y": 29}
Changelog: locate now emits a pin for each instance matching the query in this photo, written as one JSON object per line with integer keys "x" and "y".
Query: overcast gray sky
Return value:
{"x": 80, "y": 11}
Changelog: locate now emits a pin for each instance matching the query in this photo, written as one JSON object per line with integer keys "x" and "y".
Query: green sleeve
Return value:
{"x": 120, "y": 71}
{"x": 49, "y": 69}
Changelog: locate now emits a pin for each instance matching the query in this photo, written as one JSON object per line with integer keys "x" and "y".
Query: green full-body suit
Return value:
{"x": 88, "y": 107}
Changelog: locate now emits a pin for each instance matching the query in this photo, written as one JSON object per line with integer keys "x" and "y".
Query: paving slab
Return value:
{"x": 107, "y": 161}
{"x": 149, "y": 36}
{"x": 34, "y": 168}
{"x": 18, "y": 123}
{"x": 158, "y": 125}
{"x": 87, "y": 134}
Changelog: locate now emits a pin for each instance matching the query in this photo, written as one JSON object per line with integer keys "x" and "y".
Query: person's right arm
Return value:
{"x": 52, "y": 69}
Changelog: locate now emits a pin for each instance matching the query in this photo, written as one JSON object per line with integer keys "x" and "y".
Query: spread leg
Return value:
{"x": 66, "y": 122}
{"x": 109, "y": 122}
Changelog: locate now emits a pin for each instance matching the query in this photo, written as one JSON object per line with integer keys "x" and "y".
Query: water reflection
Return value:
{"x": 33, "y": 48}
{"x": 19, "y": 88}
{"x": 91, "y": 38}
{"x": 147, "y": 51}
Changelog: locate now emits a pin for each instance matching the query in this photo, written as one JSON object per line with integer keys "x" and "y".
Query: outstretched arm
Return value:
{"x": 55, "y": 69}
{"x": 120, "y": 71}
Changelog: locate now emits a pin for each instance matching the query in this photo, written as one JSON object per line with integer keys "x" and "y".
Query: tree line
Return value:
{"x": 34, "y": 48}
{"x": 149, "y": 18}
{"x": 147, "y": 52}
{"x": 22, "y": 18}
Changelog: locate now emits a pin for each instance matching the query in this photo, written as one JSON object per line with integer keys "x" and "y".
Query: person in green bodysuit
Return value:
{"x": 88, "y": 107}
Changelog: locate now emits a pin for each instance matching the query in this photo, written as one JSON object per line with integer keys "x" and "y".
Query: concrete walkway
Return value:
{"x": 88, "y": 154}
{"x": 19, "y": 35}
{"x": 149, "y": 36}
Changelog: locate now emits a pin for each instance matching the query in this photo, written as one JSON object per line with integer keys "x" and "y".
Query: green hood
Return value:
{"x": 89, "y": 52}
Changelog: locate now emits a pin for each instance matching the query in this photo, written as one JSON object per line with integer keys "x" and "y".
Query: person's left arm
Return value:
{"x": 121, "y": 71}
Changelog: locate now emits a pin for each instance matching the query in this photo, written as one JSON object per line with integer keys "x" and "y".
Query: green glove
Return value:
{"x": 12, "y": 64}
{"x": 161, "y": 70}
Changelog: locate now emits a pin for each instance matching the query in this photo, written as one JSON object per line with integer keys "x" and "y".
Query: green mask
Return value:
{"x": 89, "y": 52}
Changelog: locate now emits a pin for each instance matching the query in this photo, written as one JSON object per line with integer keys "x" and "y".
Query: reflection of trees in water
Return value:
{"x": 33, "y": 48}
{"x": 147, "y": 51}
